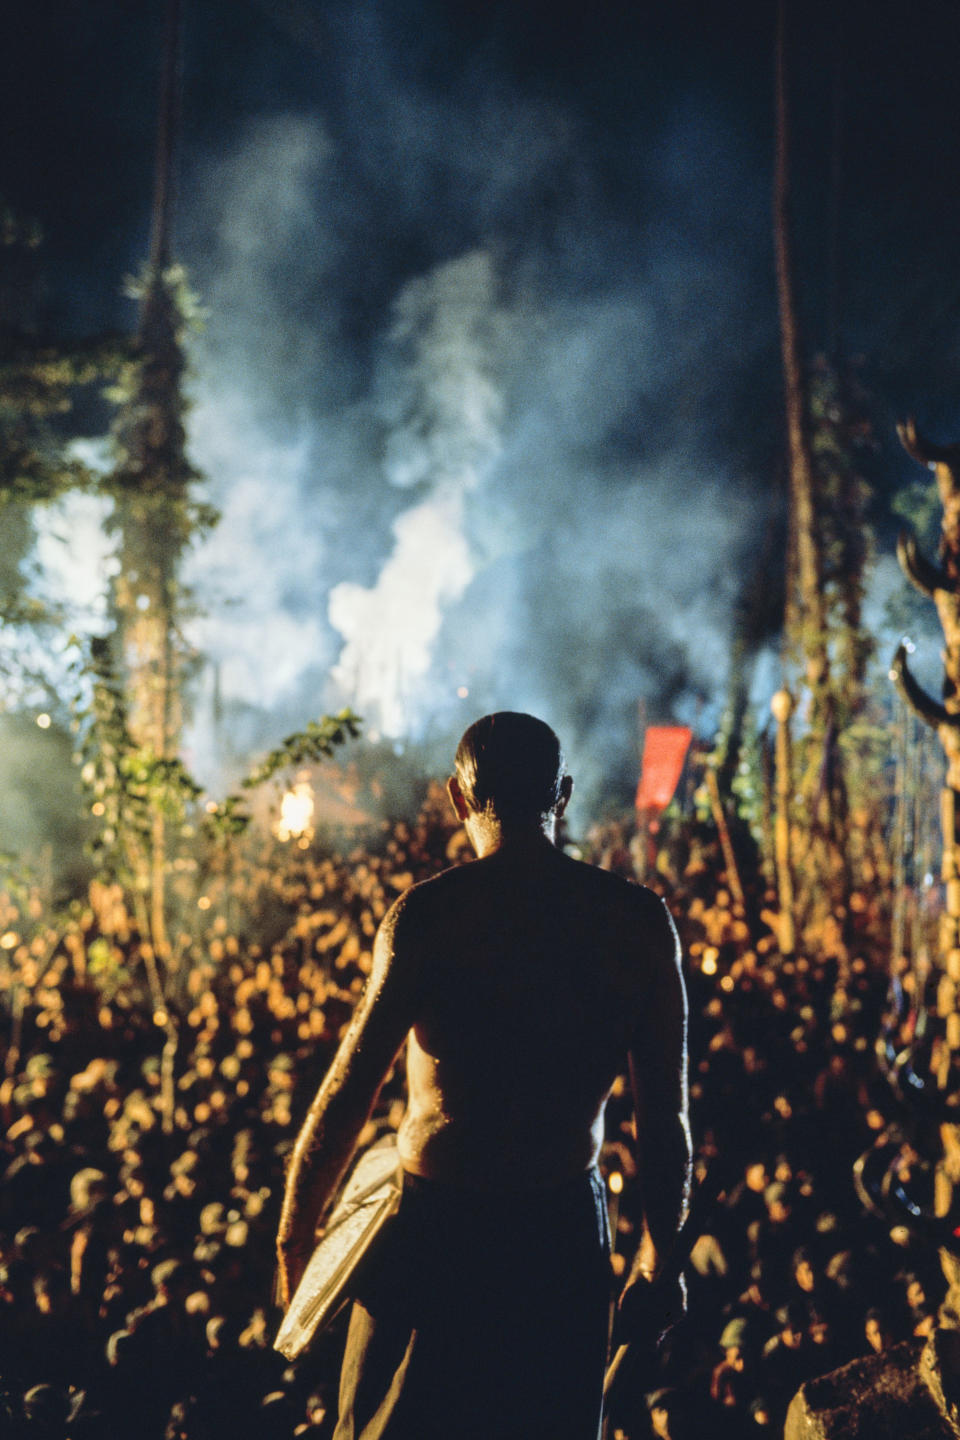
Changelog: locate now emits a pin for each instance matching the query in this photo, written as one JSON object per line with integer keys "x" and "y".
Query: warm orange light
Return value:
{"x": 615, "y": 1181}
{"x": 296, "y": 812}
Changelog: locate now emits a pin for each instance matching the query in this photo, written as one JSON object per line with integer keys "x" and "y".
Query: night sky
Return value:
{"x": 488, "y": 392}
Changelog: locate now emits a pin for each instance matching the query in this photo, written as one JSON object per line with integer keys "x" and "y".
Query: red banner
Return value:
{"x": 664, "y": 751}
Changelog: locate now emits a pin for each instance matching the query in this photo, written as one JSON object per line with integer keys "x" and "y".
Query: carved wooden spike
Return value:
{"x": 921, "y": 572}
{"x": 930, "y": 711}
{"x": 923, "y": 450}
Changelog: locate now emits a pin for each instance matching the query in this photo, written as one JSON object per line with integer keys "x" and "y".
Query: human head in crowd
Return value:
{"x": 776, "y": 1197}
{"x": 228, "y": 1160}
{"x": 876, "y": 1330}
{"x": 661, "y": 1405}
{"x": 793, "y": 1325}
{"x": 760, "y": 1412}
{"x": 756, "y": 1177}
{"x": 734, "y": 1342}
{"x": 802, "y": 1268}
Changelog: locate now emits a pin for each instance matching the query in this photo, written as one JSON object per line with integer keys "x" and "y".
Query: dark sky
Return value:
{"x": 79, "y": 85}
{"x": 506, "y": 268}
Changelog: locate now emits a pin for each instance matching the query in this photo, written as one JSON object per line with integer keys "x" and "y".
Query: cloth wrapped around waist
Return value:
{"x": 449, "y": 1246}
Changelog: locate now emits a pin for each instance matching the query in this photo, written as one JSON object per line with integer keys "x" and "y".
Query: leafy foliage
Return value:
{"x": 129, "y": 786}
{"x": 316, "y": 741}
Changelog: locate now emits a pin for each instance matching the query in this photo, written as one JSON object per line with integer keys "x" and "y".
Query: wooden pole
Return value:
{"x": 782, "y": 707}
{"x": 810, "y": 616}
{"x": 726, "y": 845}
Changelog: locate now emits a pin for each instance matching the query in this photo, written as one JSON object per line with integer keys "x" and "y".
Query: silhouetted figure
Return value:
{"x": 521, "y": 983}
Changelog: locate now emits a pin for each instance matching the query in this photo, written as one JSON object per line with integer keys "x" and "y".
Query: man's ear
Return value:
{"x": 566, "y": 790}
{"x": 456, "y": 798}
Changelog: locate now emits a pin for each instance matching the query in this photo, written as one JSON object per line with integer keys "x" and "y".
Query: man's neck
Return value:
{"x": 490, "y": 836}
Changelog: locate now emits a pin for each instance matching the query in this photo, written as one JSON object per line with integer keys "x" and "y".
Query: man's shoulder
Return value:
{"x": 600, "y": 890}
{"x": 425, "y": 896}
{"x": 616, "y": 889}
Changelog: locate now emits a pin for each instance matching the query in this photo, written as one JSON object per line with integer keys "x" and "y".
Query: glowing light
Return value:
{"x": 463, "y": 693}
{"x": 211, "y": 807}
{"x": 709, "y": 962}
{"x": 44, "y": 721}
{"x": 296, "y": 812}
{"x": 160, "y": 1017}
{"x": 615, "y": 1181}
{"x": 727, "y": 983}
{"x": 9, "y": 940}
{"x": 204, "y": 902}
{"x": 98, "y": 808}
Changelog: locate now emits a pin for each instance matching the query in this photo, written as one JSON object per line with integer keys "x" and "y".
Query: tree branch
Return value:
{"x": 921, "y": 572}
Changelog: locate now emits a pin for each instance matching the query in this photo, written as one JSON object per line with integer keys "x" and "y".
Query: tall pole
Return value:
{"x": 811, "y": 639}
{"x": 168, "y": 130}
{"x": 151, "y": 488}
{"x": 782, "y": 707}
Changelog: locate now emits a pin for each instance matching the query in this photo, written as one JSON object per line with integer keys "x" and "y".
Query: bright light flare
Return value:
{"x": 44, "y": 721}
{"x": 296, "y": 813}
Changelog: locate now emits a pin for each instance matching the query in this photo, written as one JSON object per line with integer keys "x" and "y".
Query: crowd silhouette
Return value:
{"x": 136, "y": 1246}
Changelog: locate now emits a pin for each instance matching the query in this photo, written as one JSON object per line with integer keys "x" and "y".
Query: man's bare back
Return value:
{"x": 522, "y": 985}
{"x": 536, "y": 974}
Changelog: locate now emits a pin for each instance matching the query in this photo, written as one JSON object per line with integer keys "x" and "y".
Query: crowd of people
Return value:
{"x": 137, "y": 1226}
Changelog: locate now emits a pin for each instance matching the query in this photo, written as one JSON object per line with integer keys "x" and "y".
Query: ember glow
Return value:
{"x": 296, "y": 812}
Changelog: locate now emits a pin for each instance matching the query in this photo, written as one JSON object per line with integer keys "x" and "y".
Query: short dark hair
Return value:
{"x": 511, "y": 764}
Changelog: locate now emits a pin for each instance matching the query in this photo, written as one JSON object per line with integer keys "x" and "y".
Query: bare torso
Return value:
{"x": 533, "y": 977}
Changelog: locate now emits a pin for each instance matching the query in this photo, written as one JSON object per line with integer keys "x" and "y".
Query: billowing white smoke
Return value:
{"x": 445, "y": 442}
{"x": 467, "y": 466}
{"x": 74, "y": 555}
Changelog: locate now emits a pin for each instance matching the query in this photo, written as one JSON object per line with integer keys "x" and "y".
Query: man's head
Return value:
{"x": 803, "y": 1271}
{"x": 510, "y": 770}
{"x": 757, "y": 1177}
{"x": 734, "y": 1340}
{"x": 776, "y": 1197}
{"x": 661, "y": 1404}
{"x": 793, "y": 1320}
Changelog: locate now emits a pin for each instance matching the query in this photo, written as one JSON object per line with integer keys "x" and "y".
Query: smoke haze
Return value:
{"x": 495, "y": 488}
{"x": 488, "y": 395}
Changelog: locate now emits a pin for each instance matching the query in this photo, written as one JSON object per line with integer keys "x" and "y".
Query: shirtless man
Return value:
{"x": 522, "y": 984}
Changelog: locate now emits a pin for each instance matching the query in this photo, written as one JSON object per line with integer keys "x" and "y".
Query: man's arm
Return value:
{"x": 345, "y": 1099}
{"x": 658, "y": 1073}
